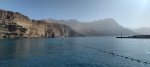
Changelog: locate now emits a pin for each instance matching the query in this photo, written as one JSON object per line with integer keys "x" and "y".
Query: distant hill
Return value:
{"x": 105, "y": 27}
{"x": 143, "y": 30}
{"x": 16, "y": 25}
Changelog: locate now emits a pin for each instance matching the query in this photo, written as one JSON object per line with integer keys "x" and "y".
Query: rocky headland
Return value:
{"x": 16, "y": 25}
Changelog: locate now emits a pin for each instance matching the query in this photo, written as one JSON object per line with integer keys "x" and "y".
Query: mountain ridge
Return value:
{"x": 105, "y": 27}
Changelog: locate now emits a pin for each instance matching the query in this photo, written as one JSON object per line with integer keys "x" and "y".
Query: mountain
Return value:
{"x": 105, "y": 27}
{"x": 16, "y": 25}
{"x": 143, "y": 30}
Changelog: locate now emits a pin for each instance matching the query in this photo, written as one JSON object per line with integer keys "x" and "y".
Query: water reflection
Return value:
{"x": 68, "y": 52}
{"x": 11, "y": 49}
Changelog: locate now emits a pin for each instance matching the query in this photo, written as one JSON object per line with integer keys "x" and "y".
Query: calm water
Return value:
{"x": 74, "y": 52}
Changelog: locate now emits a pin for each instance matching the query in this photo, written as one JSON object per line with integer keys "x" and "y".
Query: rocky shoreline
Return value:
{"x": 15, "y": 25}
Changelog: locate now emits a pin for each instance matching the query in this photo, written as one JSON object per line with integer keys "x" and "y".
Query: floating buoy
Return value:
{"x": 138, "y": 60}
{"x": 132, "y": 59}
{"x": 126, "y": 57}
{"x": 117, "y": 55}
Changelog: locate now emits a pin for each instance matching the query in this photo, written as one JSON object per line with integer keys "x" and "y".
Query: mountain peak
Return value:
{"x": 110, "y": 21}
{"x": 12, "y": 16}
{"x": 107, "y": 21}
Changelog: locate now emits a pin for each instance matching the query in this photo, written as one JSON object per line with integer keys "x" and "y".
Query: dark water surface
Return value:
{"x": 75, "y": 52}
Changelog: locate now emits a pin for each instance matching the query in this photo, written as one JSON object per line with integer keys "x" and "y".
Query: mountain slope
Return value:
{"x": 16, "y": 25}
{"x": 106, "y": 27}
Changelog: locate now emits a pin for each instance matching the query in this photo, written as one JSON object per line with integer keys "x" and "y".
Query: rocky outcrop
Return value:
{"x": 16, "y": 25}
{"x": 11, "y": 30}
{"x": 57, "y": 30}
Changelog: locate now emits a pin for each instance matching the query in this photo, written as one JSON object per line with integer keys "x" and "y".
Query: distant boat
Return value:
{"x": 62, "y": 37}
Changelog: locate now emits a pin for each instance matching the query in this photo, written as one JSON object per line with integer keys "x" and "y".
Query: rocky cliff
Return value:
{"x": 16, "y": 25}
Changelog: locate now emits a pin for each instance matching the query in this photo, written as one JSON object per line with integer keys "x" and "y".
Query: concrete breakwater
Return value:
{"x": 136, "y": 36}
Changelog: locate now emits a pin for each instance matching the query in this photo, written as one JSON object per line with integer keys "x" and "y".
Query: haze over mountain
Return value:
{"x": 143, "y": 30}
{"x": 105, "y": 27}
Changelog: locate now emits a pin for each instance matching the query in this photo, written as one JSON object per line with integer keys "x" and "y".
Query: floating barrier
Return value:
{"x": 116, "y": 54}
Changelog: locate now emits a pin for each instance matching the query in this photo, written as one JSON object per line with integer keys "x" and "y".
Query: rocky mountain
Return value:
{"x": 105, "y": 27}
{"x": 143, "y": 30}
{"x": 16, "y": 25}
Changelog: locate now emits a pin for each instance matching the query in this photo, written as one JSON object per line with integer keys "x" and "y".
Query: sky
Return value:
{"x": 128, "y": 13}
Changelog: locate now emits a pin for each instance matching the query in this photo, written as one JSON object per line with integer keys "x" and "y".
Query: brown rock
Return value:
{"x": 16, "y": 25}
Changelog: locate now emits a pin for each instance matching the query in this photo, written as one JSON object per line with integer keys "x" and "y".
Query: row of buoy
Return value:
{"x": 117, "y": 54}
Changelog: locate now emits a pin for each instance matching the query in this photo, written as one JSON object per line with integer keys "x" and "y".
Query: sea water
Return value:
{"x": 75, "y": 52}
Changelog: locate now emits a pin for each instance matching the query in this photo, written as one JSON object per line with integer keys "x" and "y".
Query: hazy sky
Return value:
{"x": 129, "y": 13}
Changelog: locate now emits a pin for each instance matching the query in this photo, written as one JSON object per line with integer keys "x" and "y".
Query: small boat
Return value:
{"x": 62, "y": 37}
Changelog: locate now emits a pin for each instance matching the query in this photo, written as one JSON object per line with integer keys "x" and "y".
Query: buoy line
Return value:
{"x": 116, "y": 54}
